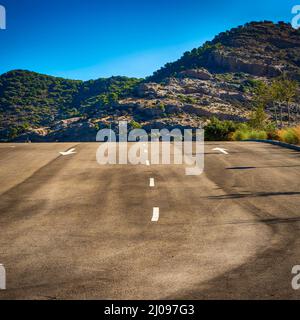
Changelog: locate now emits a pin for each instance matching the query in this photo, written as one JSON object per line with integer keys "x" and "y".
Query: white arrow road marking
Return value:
{"x": 147, "y": 163}
{"x": 69, "y": 152}
{"x": 221, "y": 150}
{"x": 155, "y": 216}
{"x": 152, "y": 183}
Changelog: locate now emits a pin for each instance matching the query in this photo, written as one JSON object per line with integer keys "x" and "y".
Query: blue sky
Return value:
{"x": 88, "y": 39}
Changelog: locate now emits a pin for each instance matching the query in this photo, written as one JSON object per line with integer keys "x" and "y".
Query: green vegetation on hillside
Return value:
{"x": 31, "y": 100}
{"x": 190, "y": 60}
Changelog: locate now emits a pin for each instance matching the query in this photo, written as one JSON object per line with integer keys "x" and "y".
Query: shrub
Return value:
{"x": 297, "y": 132}
{"x": 218, "y": 130}
{"x": 271, "y": 131}
{"x": 289, "y": 135}
{"x": 135, "y": 125}
{"x": 245, "y": 134}
{"x": 257, "y": 135}
{"x": 239, "y": 135}
{"x": 162, "y": 107}
{"x": 191, "y": 100}
{"x": 258, "y": 119}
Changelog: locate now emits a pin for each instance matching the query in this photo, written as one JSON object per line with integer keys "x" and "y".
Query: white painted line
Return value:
{"x": 155, "y": 216}
{"x": 147, "y": 163}
{"x": 224, "y": 151}
{"x": 152, "y": 183}
{"x": 2, "y": 278}
{"x": 69, "y": 152}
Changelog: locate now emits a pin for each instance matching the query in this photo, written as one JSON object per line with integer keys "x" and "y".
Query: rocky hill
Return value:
{"x": 32, "y": 102}
{"x": 262, "y": 49}
{"x": 217, "y": 79}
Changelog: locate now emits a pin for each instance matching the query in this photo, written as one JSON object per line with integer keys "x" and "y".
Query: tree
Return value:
{"x": 274, "y": 100}
{"x": 258, "y": 119}
{"x": 284, "y": 91}
{"x": 262, "y": 92}
{"x": 263, "y": 97}
{"x": 290, "y": 93}
{"x": 279, "y": 97}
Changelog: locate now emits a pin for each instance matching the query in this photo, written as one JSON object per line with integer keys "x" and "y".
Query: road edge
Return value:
{"x": 276, "y": 143}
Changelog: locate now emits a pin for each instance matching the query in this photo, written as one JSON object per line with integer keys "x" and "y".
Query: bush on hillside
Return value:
{"x": 218, "y": 130}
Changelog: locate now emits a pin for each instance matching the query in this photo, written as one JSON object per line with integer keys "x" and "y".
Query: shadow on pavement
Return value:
{"x": 252, "y": 195}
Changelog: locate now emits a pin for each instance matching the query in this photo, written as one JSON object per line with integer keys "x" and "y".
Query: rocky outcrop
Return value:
{"x": 201, "y": 74}
{"x": 151, "y": 90}
{"x": 233, "y": 96}
{"x": 80, "y": 131}
{"x": 226, "y": 62}
{"x": 262, "y": 49}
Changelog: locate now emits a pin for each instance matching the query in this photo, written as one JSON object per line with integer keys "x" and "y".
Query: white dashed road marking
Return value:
{"x": 152, "y": 183}
{"x": 155, "y": 216}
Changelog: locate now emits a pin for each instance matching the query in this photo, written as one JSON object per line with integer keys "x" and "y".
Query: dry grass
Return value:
{"x": 289, "y": 135}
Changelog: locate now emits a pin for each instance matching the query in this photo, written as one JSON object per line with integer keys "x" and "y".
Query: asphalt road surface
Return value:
{"x": 72, "y": 229}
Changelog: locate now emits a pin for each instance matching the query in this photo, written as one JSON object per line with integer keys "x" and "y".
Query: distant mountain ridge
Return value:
{"x": 216, "y": 79}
